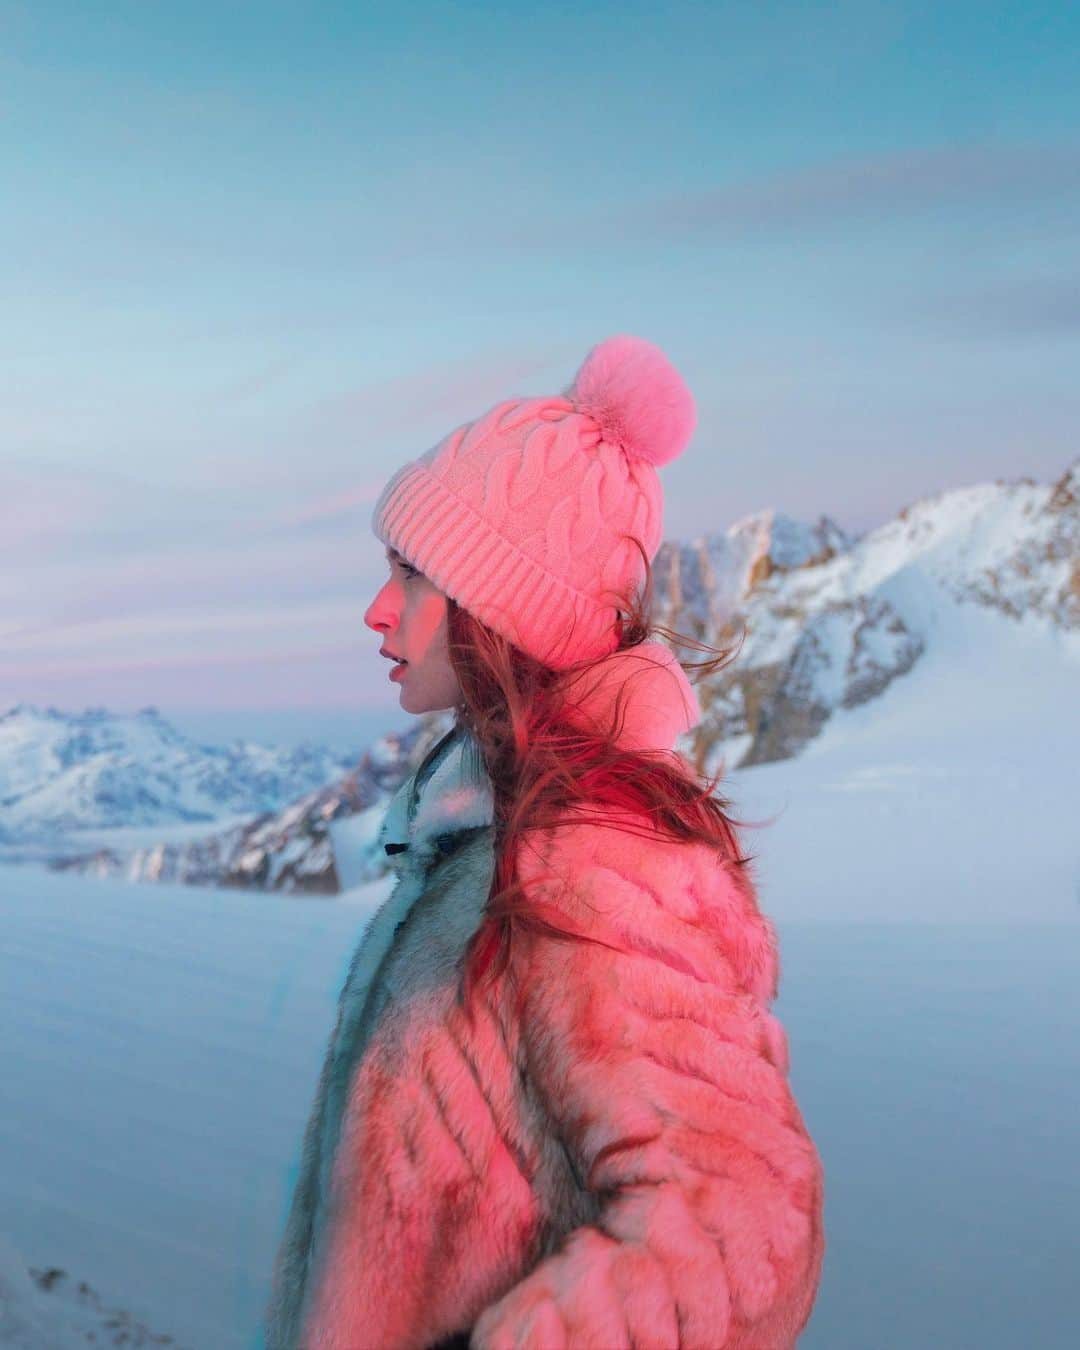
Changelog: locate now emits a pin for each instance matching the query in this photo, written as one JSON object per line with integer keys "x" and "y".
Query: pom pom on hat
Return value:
{"x": 637, "y": 397}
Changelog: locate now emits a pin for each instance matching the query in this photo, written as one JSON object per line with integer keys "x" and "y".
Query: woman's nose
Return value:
{"x": 378, "y": 614}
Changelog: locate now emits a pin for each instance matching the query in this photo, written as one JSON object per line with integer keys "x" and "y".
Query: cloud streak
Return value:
{"x": 833, "y": 194}
{"x": 1023, "y": 308}
{"x": 111, "y": 664}
{"x": 390, "y": 419}
{"x": 871, "y": 187}
{"x": 41, "y": 509}
{"x": 333, "y": 507}
{"x": 152, "y": 640}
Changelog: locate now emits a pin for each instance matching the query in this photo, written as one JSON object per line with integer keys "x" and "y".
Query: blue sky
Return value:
{"x": 253, "y": 256}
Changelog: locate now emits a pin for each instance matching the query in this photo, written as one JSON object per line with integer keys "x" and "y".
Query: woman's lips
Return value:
{"x": 398, "y": 670}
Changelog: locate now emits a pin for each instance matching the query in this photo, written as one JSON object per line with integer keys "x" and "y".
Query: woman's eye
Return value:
{"x": 409, "y": 571}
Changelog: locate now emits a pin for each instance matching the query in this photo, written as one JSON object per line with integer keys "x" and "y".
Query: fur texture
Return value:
{"x": 618, "y": 1161}
{"x": 637, "y": 397}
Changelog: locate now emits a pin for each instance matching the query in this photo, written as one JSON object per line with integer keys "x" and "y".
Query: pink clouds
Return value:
{"x": 42, "y": 509}
{"x": 335, "y": 505}
{"x": 319, "y": 678}
{"x": 192, "y": 592}
{"x": 451, "y": 390}
{"x": 395, "y": 417}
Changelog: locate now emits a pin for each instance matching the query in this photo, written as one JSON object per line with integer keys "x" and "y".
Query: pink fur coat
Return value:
{"x": 618, "y": 1162}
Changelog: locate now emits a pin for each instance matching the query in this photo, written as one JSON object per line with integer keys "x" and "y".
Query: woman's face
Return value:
{"x": 410, "y": 615}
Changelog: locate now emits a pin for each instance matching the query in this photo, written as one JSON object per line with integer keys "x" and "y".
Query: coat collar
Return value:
{"x": 660, "y": 705}
{"x": 457, "y": 796}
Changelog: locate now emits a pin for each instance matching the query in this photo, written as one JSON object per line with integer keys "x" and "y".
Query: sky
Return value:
{"x": 253, "y": 257}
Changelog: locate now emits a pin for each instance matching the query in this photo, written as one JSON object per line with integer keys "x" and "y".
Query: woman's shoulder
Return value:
{"x": 623, "y": 839}
{"x": 602, "y": 866}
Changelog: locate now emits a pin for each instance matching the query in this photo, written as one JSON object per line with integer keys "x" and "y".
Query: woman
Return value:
{"x": 554, "y": 1110}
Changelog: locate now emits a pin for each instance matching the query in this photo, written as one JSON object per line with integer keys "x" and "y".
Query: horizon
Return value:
{"x": 358, "y": 726}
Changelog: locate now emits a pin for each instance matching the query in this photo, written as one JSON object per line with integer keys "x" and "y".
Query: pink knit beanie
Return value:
{"x": 521, "y": 515}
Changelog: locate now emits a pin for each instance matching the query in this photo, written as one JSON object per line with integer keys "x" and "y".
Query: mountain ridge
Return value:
{"x": 61, "y": 771}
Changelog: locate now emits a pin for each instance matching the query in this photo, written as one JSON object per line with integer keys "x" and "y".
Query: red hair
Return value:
{"x": 540, "y": 764}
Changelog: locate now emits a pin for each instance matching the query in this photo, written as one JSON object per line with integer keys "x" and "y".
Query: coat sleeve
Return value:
{"x": 648, "y": 1041}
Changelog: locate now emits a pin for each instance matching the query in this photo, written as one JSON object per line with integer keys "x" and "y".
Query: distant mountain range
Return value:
{"x": 67, "y": 771}
{"x": 821, "y": 620}
{"x": 292, "y": 849}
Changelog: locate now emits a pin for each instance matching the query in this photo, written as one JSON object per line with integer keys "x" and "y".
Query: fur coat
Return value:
{"x": 616, "y": 1161}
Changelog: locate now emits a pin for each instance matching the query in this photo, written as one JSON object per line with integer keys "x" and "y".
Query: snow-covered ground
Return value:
{"x": 121, "y": 837}
{"x": 162, "y": 1043}
{"x": 955, "y": 798}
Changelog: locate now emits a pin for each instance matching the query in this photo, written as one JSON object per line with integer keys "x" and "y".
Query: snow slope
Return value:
{"x": 961, "y": 789}
{"x": 45, "y": 1309}
{"x": 156, "y": 1060}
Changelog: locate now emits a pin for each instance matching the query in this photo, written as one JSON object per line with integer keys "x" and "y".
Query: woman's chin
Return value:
{"x": 409, "y": 701}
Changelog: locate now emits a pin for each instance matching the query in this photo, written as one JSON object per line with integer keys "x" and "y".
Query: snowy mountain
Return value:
{"x": 298, "y": 848}
{"x": 826, "y": 622}
{"x": 67, "y": 771}
{"x": 818, "y": 621}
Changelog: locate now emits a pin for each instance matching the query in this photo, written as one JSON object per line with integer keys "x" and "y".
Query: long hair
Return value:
{"x": 541, "y": 764}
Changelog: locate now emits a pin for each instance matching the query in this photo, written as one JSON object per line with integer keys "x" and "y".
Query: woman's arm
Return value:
{"x": 666, "y": 1081}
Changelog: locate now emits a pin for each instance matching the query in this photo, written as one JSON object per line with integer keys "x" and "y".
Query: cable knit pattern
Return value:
{"x": 523, "y": 516}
